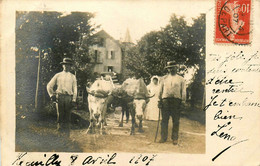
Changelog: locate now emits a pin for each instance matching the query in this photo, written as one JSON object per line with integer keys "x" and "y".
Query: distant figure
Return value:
{"x": 152, "y": 110}
{"x": 110, "y": 84}
{"x": 65, "y": 95}
{"x": 172, "y": 94}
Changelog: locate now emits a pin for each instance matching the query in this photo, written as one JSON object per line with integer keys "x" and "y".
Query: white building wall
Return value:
{"x": 105, "y": 52}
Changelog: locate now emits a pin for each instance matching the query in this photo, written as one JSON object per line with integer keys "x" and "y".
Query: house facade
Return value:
{"x": 107, "y": 54}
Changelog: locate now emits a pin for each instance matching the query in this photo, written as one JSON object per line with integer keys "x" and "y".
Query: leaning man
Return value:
{"x": 65, "y": 95}
{"x": 172, "y": 94}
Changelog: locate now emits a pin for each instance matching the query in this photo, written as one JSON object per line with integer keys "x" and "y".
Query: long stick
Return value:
{"x": 37, "y": 83}
{"x": 158, "y": 124}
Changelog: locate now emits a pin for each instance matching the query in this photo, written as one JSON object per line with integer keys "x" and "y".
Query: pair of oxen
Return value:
{"x": 132, "y": 96}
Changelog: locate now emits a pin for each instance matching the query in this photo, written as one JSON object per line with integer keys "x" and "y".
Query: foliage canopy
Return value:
{"x": 176, "y": 41}
{"x": 53, "y": 36}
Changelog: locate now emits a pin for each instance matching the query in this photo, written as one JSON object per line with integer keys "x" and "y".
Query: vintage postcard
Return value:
{"x": 130, "y": 82}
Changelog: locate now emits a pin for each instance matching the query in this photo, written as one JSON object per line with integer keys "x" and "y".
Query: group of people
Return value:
{"x": 169, "y": 92}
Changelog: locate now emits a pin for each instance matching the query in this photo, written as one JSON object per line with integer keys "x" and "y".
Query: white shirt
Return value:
{"x": 173, "y": 86}
{"x": 66, "y": 84}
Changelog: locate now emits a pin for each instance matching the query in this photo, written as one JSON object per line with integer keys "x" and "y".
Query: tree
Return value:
{"x": 34, "y": 31}
{"x": 150, "y": 47}
{"x": 53, "y": 36}
{"x": 176, "y": 41}
{"x": 197, "y": 87}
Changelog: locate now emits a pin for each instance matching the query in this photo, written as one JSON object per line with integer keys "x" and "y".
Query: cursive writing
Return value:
{"x": 246, "y": 63}
{"x": 53, "y": 160}
{"x": 245, "y": 103}
{"x": 20, "y": 156}
{"x": 142, "y": 159}
{"x": 109, "y": 160}
{"x": 220, "y": 153}
{"x": 214, "y": 102}
{"x": 219, "y": 115}
{"x": 224, "y": 135}
{"x": 223, "y": 82}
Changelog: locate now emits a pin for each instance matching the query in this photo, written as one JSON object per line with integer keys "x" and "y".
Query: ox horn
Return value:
{"x": 101, "y": 95}
{"x": 150, "y": 96}
{"x": 91, "y": 92}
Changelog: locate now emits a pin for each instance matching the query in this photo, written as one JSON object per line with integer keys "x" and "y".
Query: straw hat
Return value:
{"x": 66, "y": 61}
{"x": 171, "y": 64}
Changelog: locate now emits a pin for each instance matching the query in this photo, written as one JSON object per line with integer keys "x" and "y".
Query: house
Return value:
{"x": 107, "y": 53}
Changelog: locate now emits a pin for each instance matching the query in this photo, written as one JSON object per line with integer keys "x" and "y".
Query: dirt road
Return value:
{"x": 118, "y": 139}
{"x": 38, "y": 133}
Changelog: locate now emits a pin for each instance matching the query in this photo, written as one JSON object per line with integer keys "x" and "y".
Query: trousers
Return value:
{"x": 64, "y": 107}
{"x": 170, "y": 107}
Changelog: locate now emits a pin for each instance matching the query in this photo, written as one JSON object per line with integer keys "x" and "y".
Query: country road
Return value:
{"x": 118, "y": 139}
{"x": 38, "y": 133}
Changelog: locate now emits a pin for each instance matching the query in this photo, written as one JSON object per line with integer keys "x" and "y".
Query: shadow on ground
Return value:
{"x": 36, "y": 132}
{"x": 196, "y": 114}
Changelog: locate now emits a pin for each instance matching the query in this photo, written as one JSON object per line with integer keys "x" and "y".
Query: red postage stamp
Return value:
{"x": 232, "y": 21}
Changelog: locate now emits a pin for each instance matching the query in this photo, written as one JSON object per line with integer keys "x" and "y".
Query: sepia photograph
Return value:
{"x": 129, "y": 82}
{"x": 110, "y": 81}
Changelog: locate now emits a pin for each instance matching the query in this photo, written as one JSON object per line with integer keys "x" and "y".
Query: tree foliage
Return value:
{"x": 53, "y": 36}
{"x": 177, "y": 41}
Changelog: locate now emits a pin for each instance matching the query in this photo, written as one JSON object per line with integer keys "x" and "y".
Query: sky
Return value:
{"x": 140, "y": 17}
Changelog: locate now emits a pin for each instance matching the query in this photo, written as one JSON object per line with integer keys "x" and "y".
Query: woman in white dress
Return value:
{"x": 152, "y": 110}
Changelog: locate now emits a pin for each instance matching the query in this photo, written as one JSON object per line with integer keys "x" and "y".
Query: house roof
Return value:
{"x": 104, "y": 34}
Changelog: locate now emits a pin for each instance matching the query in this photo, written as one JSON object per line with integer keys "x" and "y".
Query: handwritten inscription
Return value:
{"x": 20, "y": 156}
{"x": 92, "y": 160}
{"x": 246, "y": 102}
{"x": 232, "y": 86}
{"x": 223, "y": 134}
{"x": 245, "y": 63}
{"x": 54, "y": 160}
{"x": 73, "y": 159}
{"x": 142, "y": 159}
{"x": 221, "y": 80}
{"x": 214, "y": 158}
{"x": 224, "y": 84}
{"x": 219, "y": 115}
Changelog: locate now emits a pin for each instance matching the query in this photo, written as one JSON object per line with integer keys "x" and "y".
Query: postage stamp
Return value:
{"x": 232, "y": 21}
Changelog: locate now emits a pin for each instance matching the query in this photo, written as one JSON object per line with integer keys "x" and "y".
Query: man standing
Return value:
{"x": 172, "y": 94}
{"x": 65, "y": 95}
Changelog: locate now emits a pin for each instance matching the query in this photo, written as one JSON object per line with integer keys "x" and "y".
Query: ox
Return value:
{"x": 99, "y": 93}
{"x": 138, "y": 97}
{"x": 121, "y": 98}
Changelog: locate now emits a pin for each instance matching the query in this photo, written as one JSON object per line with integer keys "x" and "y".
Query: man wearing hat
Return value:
{"x": 65, "y": 95}
{"x": 172, "y": 94}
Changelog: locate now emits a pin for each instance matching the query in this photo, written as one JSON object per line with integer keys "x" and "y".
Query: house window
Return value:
{"x": 111, "y": 55}
{"x": 110, "y": 68}
{"x": 101, "y": 42}
{"x": 96, "y": 55}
